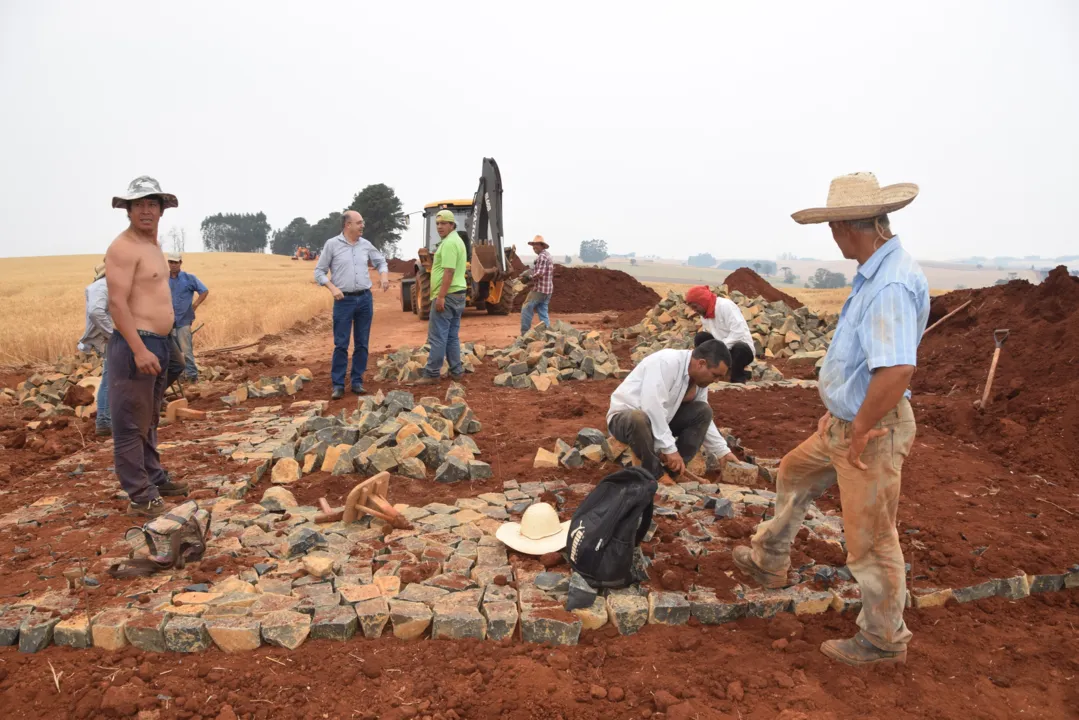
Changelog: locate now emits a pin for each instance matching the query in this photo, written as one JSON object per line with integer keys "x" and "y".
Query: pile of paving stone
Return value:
{"x": 801, "y": 335}
{"x": 406, "y": 364}
{"x": 545, "y": 356}
{"x": 68, "y": 388}
{"x": 269, "y": 387}
{"x": 386, "y": 433}
{"x": 592, "y": 446}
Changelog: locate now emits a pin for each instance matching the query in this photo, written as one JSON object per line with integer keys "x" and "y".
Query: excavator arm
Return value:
{"x": 489, "y": 258}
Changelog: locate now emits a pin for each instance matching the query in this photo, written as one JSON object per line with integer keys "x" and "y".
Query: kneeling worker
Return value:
{"x": 721, "y": 319}
{"x": 661, "y": 409}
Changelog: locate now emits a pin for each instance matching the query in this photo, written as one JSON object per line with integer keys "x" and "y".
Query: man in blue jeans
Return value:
{"x": 541, "y": 275}
{"x": 99, "y": 329}
{"x": 346, "y": 258}
{"x": 184, "y": 286}
{"x": 449, "y": 285}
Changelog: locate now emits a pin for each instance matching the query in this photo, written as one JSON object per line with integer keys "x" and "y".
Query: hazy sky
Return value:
{"x": 672, "y": 128}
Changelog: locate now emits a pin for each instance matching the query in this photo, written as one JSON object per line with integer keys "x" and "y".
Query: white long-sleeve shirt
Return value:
{"x": 98, "y": 321}
{"x": 728, "y": 326}
{"x": 657, "y": 386}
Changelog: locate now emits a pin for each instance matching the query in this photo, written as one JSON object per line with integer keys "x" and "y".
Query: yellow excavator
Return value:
{"x": 491, "y": 265}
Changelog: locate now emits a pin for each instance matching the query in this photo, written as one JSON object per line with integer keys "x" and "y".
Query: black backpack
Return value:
{"x": 609, "y": 525}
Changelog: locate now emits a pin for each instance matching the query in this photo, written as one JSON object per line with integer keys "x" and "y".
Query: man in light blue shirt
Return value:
{"x": 346, "y": 258}
{"x": 868, "y": 428}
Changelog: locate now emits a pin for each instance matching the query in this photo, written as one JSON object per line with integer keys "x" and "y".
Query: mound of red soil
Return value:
{"x": 1031, "y": 415}
{"x": 405, "y": 267}
{"x": 586, "y": 290}
{"x": 751, "y": 285}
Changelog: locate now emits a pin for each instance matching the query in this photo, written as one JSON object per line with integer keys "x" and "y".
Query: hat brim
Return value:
{"x": 892, "y": 198}
{"x": 534, "y": 244}
{"x": 119, "y": 201}
{"x": 510, "y": 534}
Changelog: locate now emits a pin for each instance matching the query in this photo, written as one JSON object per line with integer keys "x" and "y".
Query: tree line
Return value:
{"x": 382, "y": 212}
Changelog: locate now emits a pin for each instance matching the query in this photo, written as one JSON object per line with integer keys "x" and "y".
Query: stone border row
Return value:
{"x": 493, "y": 613}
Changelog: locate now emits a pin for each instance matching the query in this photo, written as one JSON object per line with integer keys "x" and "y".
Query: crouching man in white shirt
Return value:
{"x": 722, "y": 320}
{"x": 661, "y": 409}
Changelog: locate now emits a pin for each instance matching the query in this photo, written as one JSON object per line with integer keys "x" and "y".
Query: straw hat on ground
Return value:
{"x": 538, "y": 533}
{"x": 858, "y": 196}
{"x": 144, "y": 186}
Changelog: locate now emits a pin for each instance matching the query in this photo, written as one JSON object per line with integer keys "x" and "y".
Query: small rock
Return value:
{"x": 598, "y": 692}
{"x": 453, "y": 470}
{"x": 286, "y": 628}
{"x": 186, "y": 634}
{"x": 409, "y": 619}
{"x": 285, "y": 471}
{"x": 318, "y": 565}
{"x": 668, "y": 608}
{"x": 337, "y": 622}
{"x": 628, "y": 613}
{"x": 373, "y": 615}
{"x": 235, "y": 634}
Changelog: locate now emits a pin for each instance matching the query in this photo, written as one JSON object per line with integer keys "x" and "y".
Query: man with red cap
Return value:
{"x": 721, "y": 319}
{"x": 541, "y": 274}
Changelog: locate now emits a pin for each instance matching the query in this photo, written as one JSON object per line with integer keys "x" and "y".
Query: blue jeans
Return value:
{"x": 352, "y": 315}
{"x": 187, "y": 347}
{"x": 538, "y": 302}
{"x": 443, "y": 335}
{"x": 104, "y": 418}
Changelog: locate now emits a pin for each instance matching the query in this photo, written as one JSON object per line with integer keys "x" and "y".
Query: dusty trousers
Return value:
{"x": 135, "y": 402}
{"x": 869, "y": 501}
{"x": 689, "y": 426}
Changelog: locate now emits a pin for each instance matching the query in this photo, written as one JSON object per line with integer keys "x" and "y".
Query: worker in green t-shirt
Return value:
{"x": 448, "y": 284}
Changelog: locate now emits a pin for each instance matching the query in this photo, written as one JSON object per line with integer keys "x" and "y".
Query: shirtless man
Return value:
{"x": 139, "y": 351}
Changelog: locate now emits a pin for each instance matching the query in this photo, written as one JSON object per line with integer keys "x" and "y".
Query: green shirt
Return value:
{"x": 450, "y": 254}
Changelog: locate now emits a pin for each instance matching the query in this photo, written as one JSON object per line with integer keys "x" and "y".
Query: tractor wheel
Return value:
{"x": 407, "y": 286}
{"x": 504, "y": 306}
{"x": 423, "y": 295}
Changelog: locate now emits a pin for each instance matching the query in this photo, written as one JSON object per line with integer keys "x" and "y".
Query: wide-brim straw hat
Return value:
{"x": 858, "y": 196}
{"x": 145, "y": 186}
{"x": 538, "y": 240}
{"x": 538, "y": 533}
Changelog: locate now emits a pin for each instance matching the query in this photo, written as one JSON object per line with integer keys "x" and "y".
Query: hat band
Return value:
{"x": 541, "y": 537}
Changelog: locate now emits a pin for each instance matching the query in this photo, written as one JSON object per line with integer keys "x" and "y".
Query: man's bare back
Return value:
{"x": 142, "y": 279}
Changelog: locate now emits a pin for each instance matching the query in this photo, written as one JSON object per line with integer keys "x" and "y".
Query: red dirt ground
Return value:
{"x": 750, "y": 284}
{"x": 586, "y": 289}
{"x": 406, "y": 267}
{"x": 973, "y": 507}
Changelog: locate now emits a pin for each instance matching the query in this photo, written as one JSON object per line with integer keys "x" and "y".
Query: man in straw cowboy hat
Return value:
{"x": 99, "y": 329}
{"x": 541, "y": 275}
{"x": 868, "y": 427}
{"x": 140, "y": 351}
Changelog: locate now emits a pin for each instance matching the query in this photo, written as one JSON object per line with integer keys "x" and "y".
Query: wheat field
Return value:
{"x": 43, "y": 303}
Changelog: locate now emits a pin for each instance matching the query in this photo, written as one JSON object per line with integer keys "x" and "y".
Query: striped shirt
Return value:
{"x": 543, "y": 274}
{"x": 347, "y": 264}
{"x": 880, "y": 325}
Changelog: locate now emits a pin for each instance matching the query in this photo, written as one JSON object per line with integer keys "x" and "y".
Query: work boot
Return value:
{"x": 338, "y": 393}
{"x": 858, "y": 651}
{"x": 743, "y": 559}
{"x": 172, "y": 489}
{"x": 357, "y": 389}
{"x": 103, "y": 430}
{"x": 426, "y": 380}
{"x": 151, "y": 508}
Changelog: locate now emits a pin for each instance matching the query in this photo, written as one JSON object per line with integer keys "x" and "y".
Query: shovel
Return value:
{"x": 999, "y": 336}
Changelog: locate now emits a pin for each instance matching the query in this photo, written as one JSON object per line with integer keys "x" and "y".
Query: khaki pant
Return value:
{"x": 869, "y": 499}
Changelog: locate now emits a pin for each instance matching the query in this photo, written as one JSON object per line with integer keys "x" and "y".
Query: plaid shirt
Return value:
{"x": 543, "y": 274}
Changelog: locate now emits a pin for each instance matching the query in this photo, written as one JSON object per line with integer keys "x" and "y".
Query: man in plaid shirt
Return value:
{"x": 542, "y": 277}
